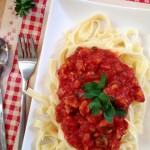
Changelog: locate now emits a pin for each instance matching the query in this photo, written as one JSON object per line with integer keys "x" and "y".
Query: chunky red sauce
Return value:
{"x": 81, "y": 129}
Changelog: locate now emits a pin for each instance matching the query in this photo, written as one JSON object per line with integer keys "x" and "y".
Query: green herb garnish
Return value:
{"x": 95, "y": 106}
{"x": 23, "y": 6}
{"x": 102, "y": 82}
{"x": 109, "y": 113}
{"x": 102, "y": 101}
{"x": 120, "y": 112}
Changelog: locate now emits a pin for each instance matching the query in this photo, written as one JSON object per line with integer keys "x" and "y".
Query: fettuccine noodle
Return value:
{"x": 90, "y": 33}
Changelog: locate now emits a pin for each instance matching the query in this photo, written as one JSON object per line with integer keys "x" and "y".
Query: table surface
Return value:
{"x": 2, "y": 6}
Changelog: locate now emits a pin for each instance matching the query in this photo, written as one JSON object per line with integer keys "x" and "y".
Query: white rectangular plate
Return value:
{"x": 66, "y": 14}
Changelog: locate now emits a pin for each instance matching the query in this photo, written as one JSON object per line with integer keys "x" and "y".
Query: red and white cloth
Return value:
{"x": 30, "y": 24}
{"x": 13, "y": 25}
{"x": 141, "y": 1}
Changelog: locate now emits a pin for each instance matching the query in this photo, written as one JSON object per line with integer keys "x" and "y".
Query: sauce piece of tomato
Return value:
{"x": 81, "y": 129}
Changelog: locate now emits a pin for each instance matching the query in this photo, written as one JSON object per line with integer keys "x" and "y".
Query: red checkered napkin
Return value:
{"x": 31, "y": 24}
{"x": 141, "y": 1}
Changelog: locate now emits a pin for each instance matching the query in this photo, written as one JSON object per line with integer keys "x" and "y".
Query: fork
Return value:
{"x": 27, "y": 59}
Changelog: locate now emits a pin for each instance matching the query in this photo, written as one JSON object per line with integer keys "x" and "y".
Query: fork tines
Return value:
{"x": 26, "y": 46}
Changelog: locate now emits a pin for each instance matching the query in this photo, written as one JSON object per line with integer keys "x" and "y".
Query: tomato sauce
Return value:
{"x": 83, "y": 130}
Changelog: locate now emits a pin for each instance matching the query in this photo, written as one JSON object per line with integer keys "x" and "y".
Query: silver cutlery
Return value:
{"x": 3, "y": 61}
{"x": 27, "y": 59}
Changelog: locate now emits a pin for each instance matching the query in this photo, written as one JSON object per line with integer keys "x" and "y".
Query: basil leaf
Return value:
{"x": 95, "y": 106}
{"x": 109, "y": 113}
{"x": 95, "y": 103}
{"x": 113, "y": 100}
{"x": 87, "y": 87}
{"x": 105, "y": 99}
{"x": 120, "y": 112}
{"x": 94, "y": 85}
{"x": 17, "y": 8}
{"x": 91, "y": 94}
{"x": 95, "y": 111}
{"x": 90, "y": 86}
{"x": 105, "y": 107}
{"x": 22, "y": 7}
{"x": 102, "y": 82}
{"x": 24, "y": 1}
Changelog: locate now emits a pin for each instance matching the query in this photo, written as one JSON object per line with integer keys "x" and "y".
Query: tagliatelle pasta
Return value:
{"x": 94, "y": 32}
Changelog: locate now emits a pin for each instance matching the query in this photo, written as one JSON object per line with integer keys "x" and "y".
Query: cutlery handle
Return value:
{"x": 22, "y": 125}
{"x": 3, "y": 145}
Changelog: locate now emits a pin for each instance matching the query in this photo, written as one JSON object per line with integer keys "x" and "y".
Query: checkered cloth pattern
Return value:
{"x": 31, "y": 24}
{"x": 141, "y": 1}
